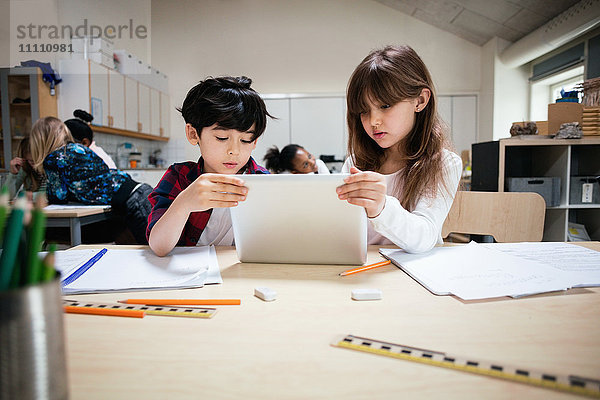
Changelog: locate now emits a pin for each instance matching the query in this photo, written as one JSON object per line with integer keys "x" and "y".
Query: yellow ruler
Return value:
{"x": 192, "y": 312}
{"x": 572, "y": 384}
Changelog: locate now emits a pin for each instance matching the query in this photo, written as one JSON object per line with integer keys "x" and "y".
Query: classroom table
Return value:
{"x": 75, "y": 218}
{"x": 281, "y": 349}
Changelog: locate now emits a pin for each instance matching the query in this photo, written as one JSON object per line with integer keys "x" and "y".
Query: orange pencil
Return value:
{"x": 365, "y": 268}
{"x": 184, "y": 302}
{"x": 114, "y": 312}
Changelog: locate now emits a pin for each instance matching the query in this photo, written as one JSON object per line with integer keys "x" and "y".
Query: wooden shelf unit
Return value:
{"x": 18, "y": 118}
{"x": 543, "y": 157}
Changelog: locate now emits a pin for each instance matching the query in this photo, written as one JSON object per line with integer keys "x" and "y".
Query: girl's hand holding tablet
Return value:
{"x": 365, "y": 189}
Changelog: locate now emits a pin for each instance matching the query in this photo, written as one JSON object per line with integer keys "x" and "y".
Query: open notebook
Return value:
{"x": 136, "y": 270}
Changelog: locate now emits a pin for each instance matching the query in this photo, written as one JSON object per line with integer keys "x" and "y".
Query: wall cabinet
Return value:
{"x": 317, "y": 123}
{"x": 25, "y": 98}
{"x": 495, "y": 162}
{"x": 120, "y": 104}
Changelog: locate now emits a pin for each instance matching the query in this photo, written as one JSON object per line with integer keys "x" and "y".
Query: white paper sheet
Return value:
{"x": 474, "y": 272}
{"x": 583, "y": 265}
{"x": 73, "y": 206}
{"x": 130, "y": 270}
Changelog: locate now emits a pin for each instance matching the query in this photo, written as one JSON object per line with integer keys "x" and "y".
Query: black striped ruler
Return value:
{"x": 192, "y": 312}
{"x": 572, "y": 384}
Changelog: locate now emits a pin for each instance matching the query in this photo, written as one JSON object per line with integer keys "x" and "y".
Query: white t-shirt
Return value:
{"x": 322, "y": 167}
{"x": 218, "y": 230}
{"x": 103, "y": 155}
{"x": 420, "y": 230}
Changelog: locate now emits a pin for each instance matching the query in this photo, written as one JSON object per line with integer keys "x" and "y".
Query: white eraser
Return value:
{"x": 366, "y": 294}
{"x": 265, "y": 293}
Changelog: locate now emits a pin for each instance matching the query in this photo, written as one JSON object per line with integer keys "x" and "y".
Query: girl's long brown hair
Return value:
{"x": 47, "y": 135}
{"x": 388, "y": 76}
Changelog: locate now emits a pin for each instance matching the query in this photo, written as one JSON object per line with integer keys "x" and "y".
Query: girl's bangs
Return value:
{"x": 370, "y": 89}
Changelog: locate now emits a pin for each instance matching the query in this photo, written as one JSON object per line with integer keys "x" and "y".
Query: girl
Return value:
{"x": 76, "y": 173}
{"x": 395, "y": 136}
{"x": 82, "y": 133}
{"x": 295, "y": 159}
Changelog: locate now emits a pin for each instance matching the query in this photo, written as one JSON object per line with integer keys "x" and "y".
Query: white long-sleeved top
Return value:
{"x": 420, "y": 230}
{"x": 103, "y": 155}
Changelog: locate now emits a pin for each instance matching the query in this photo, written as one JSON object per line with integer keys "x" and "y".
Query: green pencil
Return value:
{"x": 48, "y": 264}
{"x": 12, "y": 236}
{"x": 4, "y": 197}
{"x": 37, "y": 228}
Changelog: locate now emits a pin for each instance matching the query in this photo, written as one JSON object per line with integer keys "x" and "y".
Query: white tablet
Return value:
{"x": 298, "y": 219}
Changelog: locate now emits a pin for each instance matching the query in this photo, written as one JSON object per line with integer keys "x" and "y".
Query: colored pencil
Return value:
{"x": 365, "y": 268}
{"x": 4, "y": 198}
{"x": 37, "y": 228}
{"x": 113, "y": 312}
{"x": 184, "y": 302}
{"x": 47, "y": 271}
{"x": 12, "y": 236}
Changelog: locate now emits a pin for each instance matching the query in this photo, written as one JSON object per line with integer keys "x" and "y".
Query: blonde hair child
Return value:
{"x": 403, "y": 172}
{"x": 76, "y": 173}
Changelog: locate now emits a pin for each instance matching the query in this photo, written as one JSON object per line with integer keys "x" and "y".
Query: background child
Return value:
{"x": 294, "y": 159}
{"x": 76, "y": 173}
{"x": 82, "y": 133}
{"x": 396, "y": 135}
{"x": 23, "y": 175}
{"x": 224, "y": 117}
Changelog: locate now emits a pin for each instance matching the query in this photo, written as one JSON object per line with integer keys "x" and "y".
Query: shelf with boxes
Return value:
{"x": 563, "y": 171}
{"x": 131, "y": 101}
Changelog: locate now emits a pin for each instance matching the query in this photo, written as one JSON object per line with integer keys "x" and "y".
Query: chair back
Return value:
{"x": 507, "y": 216}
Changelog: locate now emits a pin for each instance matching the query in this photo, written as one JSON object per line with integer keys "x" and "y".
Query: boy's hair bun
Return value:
{"x": 83, "y": 115}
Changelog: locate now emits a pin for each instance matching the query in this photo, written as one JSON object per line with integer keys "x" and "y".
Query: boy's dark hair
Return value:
{"x": 226, "y": 101}
{"x": 279, "y": 161}
{"x": 79, "y": 126}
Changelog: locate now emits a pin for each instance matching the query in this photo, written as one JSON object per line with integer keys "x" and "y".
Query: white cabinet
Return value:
{"x": 144, "y": 111}
{"x": 165, "y": 107}
{"x": 116, "y": 97}
{"x": 459, "y": 112}
{"x": 314, "y": 122}
{"x": 155, "y": 112}
{"x": 131, "y": 105}
{"x": 277, "y": 132}
{"x": 99, "y": 94}
{"x": 317, "y": 124}
{"x": 119, "y": 103}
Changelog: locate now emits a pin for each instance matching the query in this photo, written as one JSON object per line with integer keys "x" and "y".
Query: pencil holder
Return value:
{"x": 32, "y": 346}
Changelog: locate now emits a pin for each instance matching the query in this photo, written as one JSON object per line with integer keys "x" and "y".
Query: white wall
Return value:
{"x": 295, "y": 46}
{"x": 292, "y": 46}
{"x": 504, "y": 93}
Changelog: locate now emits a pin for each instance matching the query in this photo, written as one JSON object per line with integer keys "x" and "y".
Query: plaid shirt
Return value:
{"x": 177, "y": 178}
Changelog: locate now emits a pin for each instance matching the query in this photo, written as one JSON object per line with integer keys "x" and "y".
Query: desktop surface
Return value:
{"x": 281, "y": 349}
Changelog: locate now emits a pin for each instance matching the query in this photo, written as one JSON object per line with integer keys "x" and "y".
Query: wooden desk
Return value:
{"x": 280, "y": 350}
{"x": 75, "y": 218}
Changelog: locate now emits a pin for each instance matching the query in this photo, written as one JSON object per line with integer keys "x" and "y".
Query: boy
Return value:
{"x": 224, "y": 117}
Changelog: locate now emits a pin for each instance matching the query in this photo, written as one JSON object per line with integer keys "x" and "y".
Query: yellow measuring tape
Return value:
{"x": 192, "y": 312}
{"x": 572, "y": 384}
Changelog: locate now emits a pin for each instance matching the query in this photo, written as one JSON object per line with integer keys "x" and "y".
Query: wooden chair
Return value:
{"x": 507, "y": 216}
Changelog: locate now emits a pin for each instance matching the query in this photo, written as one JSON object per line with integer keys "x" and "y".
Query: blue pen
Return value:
{"x": 81, "y": 270}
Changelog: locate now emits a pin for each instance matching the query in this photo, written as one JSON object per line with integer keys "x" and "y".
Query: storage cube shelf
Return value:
{"x": 566, "y": 159}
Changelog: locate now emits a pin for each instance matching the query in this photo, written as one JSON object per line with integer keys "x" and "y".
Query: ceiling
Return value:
{"x": 480, "y": 20}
